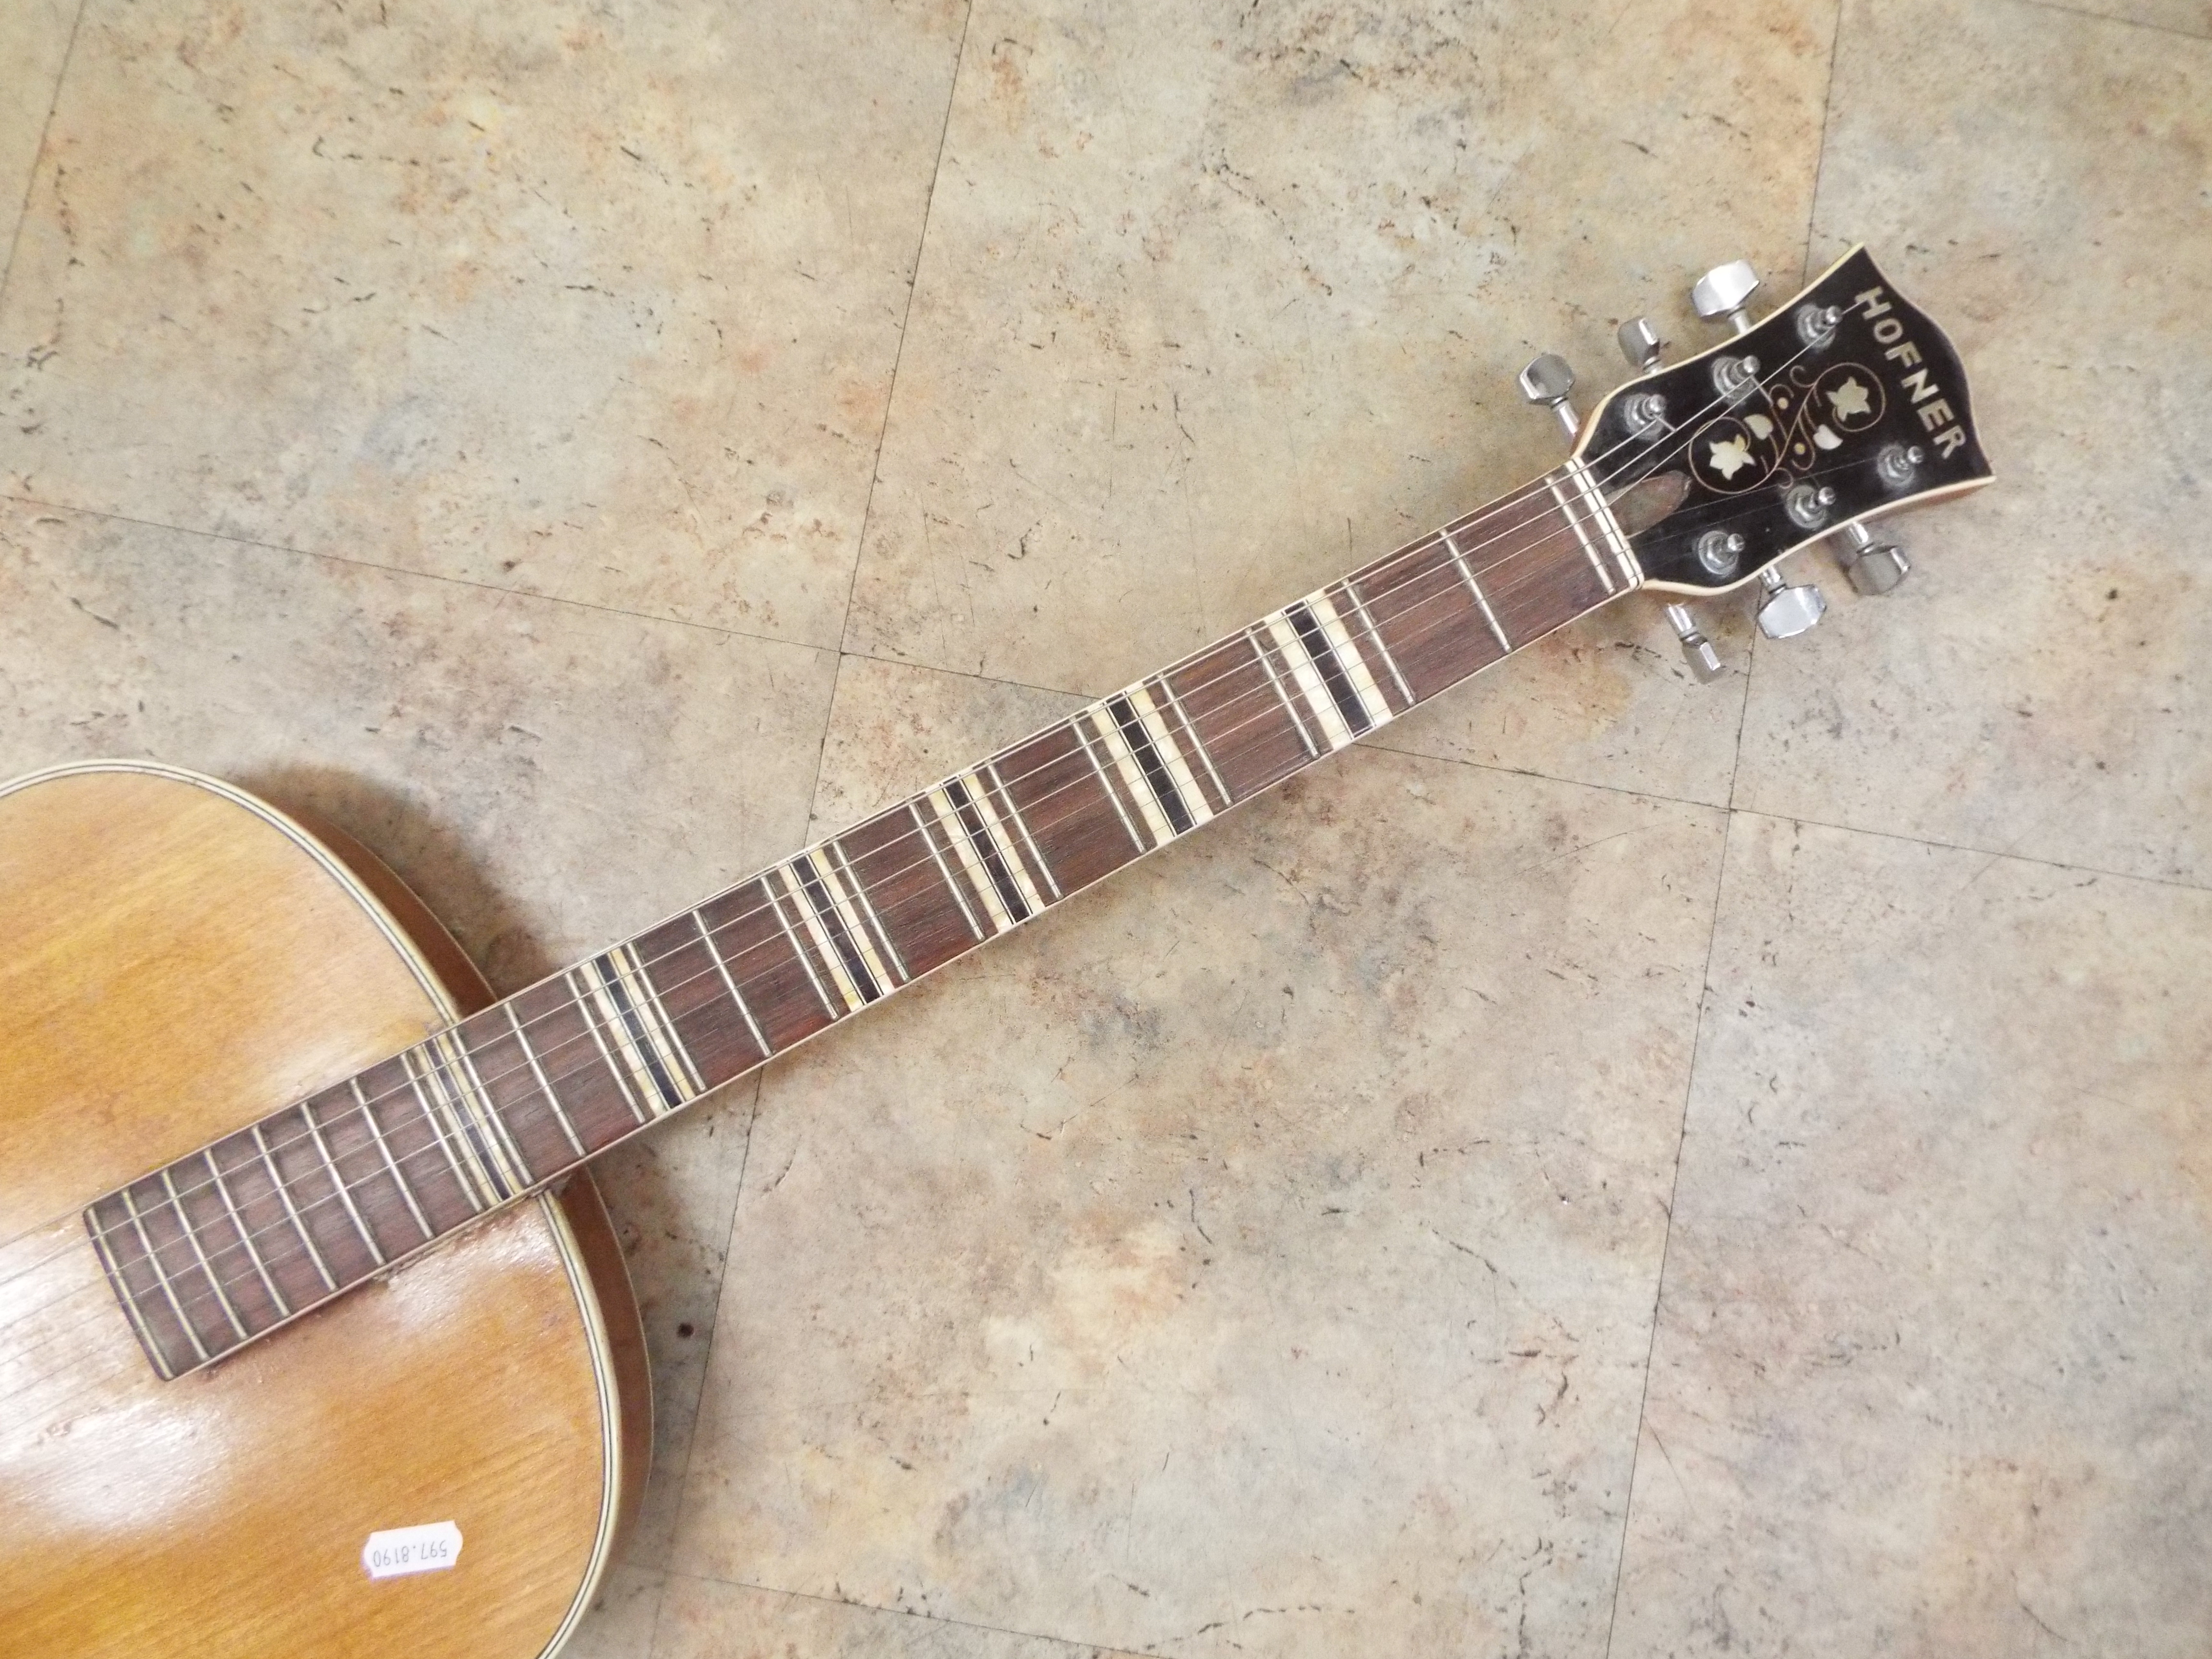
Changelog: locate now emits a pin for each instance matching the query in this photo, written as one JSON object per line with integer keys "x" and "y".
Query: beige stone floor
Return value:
{"x": 1615, "y": 1166}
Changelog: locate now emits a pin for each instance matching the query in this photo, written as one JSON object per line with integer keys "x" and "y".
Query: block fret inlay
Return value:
{"x": 269, "y": 1222}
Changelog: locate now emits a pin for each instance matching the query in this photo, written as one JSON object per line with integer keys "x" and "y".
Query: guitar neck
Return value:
{"x": 259, "y": 1228}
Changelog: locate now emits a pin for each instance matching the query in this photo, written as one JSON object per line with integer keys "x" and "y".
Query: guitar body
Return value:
{"x": 180, "y": 961}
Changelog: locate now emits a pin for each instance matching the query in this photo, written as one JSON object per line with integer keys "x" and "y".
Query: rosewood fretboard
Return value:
{"x": 267, "y": 1223}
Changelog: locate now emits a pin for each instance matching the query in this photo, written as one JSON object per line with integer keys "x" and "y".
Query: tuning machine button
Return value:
{"x": 1640, "y": 344}
{"x": 1787, "y": 610}
{"x": 1874, "y": 565}
{"x": 1547, "y": 381}
{"x": 1722, "y": 291}
{"x": 1696, "y": 650}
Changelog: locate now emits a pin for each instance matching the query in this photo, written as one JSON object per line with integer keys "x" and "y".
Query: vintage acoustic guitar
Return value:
{"x": 313, "y": 1339}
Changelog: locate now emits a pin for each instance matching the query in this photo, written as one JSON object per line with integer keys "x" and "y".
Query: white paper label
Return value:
{"x": 411, "y": 1549}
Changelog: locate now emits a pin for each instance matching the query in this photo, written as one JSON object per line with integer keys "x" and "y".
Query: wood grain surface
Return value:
{"x": 181, "y": 961}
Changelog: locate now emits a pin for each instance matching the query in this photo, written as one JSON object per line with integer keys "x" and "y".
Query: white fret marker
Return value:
{"x": 1308, "y": 680}
{"x": 404, "y": 1550}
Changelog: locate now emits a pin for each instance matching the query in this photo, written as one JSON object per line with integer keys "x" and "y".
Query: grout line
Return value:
{"x": 2089, "y": 15}
{"x": 1667, "y": 1242}
{"x": 820, "y": 753}
{"x": 1820, "y": 155}
{"x": 2008, "y": 856}
{"x": 683, "y": 1476}
{"x": 290, "y": 552}
{"x": 898, "y": 357}
{"x": 45, "y": 128}
{"x": 1092, "y": 1650}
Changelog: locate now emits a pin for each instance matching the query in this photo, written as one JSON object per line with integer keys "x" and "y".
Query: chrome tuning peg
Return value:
{"x": 1640, "y": 344}
{"x": 1696, "y": 650}
{"x": 1787, "y": 610}
{"x": 1548, "y": 380}
{"x": 1874, "y": 565}
{"x": 1722, "y": 291}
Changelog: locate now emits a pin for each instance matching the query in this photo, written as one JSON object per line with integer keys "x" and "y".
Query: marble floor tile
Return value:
{"x": 1929, "y": 1376}
{"x": 622, "y": 1617}
{"x": 547, "y": 776}
{"x": 2180, "y": 16}
{"x": 2034, "y": 179}
{"x": 704, "y": 1619}
{"x": 585, "y": 299}
{"x": 1218, "y": 302}
{"x": 33, "y": 40}
{"x": 1259, "y": 1254}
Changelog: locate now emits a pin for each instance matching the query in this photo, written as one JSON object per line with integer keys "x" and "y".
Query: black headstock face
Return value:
{"x": 1844, "y": 404}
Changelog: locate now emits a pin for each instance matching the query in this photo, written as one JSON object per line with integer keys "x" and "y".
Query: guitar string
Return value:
{"x": 204, "y": 1296}
{"x": 1537, "y": 492}
{"x": 441, "y": 1141}
{"x": 196, "y": 1300}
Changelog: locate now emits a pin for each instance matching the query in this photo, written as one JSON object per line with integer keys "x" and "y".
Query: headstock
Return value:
{"x": 1843, "y": 405}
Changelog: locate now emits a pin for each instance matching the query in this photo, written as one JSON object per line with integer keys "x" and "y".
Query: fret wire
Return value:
{"x": 1351, "y": 592}
{"x": 238, "y": 1221}
{"x": 376, "y": 1133}
{"x": 658, "y": 1026}
{"x": 1266, "y": 664}
{"x": 470, "y": 1095}
{"x": 1609, "y": 527}
{"x": 1350, "y": 661}
{"x": 850, "y": 881}
{"x": 1459, "y": 563}
{"x": 544, "y": 1085}
{"x": 338, "y": 1180}
{"x": 1131, "y": 772}
{"x": 1260, "y": 650}
{"x": 1106, "y": 784}
{"x": 767, "y": 886}
{"x": 474, "y": 1188}
{"x": 128, "y": 1298}
{"x": 837, "y": 927}
{"x": 914, "y": 810}
{"x": 706, "y": 937}
{"x": 1160, "y": 760}
{"x": 292, "y": 1210}
{"x": 970, "y": 857}
{"x": 1404, "y": 555}
{"x": 1005, "y": 797}
{"x": 997, "y": 851}
{"x": 1306, "y": 676}
{"x": 656, "y": 1088}
{"x": 193, "y": 1239}
{"x": 1166, "y": 681}
{"x": 1589, "y": 548}
{"x": 620, "y": 1054}
{"x": 161, "y": 1274}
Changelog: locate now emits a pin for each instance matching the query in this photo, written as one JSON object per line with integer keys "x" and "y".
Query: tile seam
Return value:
{"x": 1092, "y": 1648}
{"x": 706, "y": 1363}
{"x": 906, "y": 316}
{"x": 1666, "y": 1241}
{"x": 522, "y": 594}
{"x": 39, "y": 151}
